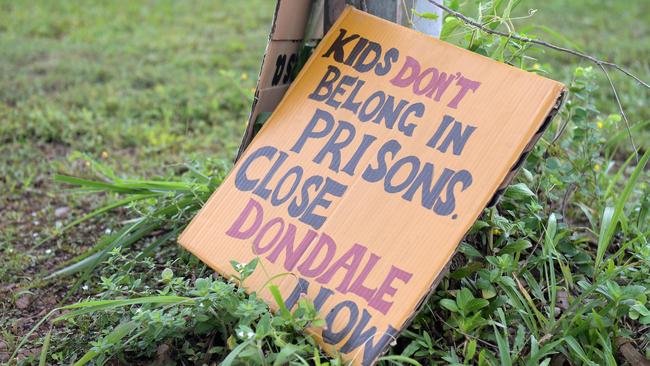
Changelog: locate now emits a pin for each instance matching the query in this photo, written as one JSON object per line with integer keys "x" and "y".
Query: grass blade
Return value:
{"x": 504, "y": 348}
{"x": 609, "y": 223}
{"x": 111, "y": 338}
{"x": 232, "y": 356}
{"x": 97, "y": 212}
{"x": 93, "y": 306}
{"x": 42, "y": 360}
{"x": 74, "y": 267}
{"x": 400, "y": 360}
{"x": 93, "y": 185}
{"x": 275, "y": 291}
{"x": 576, "y": 348}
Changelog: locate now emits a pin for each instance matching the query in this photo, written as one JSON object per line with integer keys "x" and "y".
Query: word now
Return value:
{"x": 316, "y": 256}
{"x": 355, "y": 324}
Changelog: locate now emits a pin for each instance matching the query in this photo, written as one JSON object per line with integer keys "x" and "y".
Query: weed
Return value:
{"x": 557, "y": 272}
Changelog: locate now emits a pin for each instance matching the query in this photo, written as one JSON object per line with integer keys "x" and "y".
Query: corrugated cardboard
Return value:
{"x": 289, "y": 30}
{"x": 291, "y": 20}
{"x": 359, "y": 210}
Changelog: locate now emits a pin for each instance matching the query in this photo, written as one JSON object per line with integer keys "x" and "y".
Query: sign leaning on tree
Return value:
{"x": 298, "y": 25}
{"x": 361, "y": 184}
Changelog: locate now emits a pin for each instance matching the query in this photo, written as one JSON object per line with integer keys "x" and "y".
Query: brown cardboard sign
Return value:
{"x": 366, "y": 177}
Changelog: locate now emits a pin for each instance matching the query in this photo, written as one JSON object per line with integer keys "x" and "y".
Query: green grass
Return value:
{"x": 615, "y": 31}
{"x": 160, "y": 90}
{"x": 144, "y": 87}
{"x": 149, "y": 83}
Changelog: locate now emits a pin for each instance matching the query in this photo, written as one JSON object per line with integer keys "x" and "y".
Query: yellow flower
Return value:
{"x": 244, "y": 76}
{"x": 496, "y": 231}
{"x": 104, "y": 154}
{"x": 599, "y": 124}
{"x": 596, "y": 167}
{"x": 536, "y": 66}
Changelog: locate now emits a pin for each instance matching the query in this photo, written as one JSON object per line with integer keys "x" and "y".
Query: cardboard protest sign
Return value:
{"x": 366, "y": 177}
{"x": 299, "y": 24}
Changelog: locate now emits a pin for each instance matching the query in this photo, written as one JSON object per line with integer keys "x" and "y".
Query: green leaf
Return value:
{"x": 431, "y": 16}
{"x": 232, "y": 356}
{"x": 75, "y": 267}
{"x": 285, "y": 354}
{"x": 470, "y": 251}
{"x": 277, "y": 296}
{"x": 463, "y": 297}
{"x": 167, "y": 275}
{"x": 400, "y": 360}
{"x": 466, "y": 270}
{"x": 606, "y": 221}
{"x": 516, "y": 247}
{"x": 42, "y": 360}
{"x": 470, "y": 349}
{"x": 551, "y": 229}
{"x": 111, "y": 206}
{"x": 86, "y": 307}
{"x": 476, "y": 304}
{"x": 92, "y": 184}
{"x": 449, "y": 26}
{"x": 112, "y": 338}
{"x": 449, "y": 305}
{"x": 577, "y": 349}
{"x": 611, "y": 218}
{"x": 249, "y": 268}
{"x": 641, "y": 309}
{"x": 537, "y": 353}
{"x": 123, "y": 238}
{"x": 504, "y": 348}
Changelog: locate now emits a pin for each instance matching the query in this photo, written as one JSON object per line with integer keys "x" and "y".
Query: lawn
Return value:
{"x": 159, "y": 89}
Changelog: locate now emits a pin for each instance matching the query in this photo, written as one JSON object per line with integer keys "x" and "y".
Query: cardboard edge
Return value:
{"x": 246, "y": 138}
{"x": 243, "y": 147}
{"x": 445, "y": 270}
{"x": 561, "y": 93}
{"x": 248, "y": 133}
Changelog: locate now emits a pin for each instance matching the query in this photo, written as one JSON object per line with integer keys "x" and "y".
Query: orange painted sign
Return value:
{"x": 366, "y": 177}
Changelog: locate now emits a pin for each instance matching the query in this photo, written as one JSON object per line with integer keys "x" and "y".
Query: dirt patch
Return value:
{"x": 29, "y": 218}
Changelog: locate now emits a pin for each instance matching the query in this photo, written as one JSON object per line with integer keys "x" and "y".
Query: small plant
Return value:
{"x": 201, "y": 318}
{"x": 558, "y": 272}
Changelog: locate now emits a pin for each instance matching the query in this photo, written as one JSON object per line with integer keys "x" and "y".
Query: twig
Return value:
{"x": 565, "y": 199}
{"x": 538, "y": 42}
{"x": 560, "y": 131}
{"x": 598, "y": 62}
{"x": 620, "y": 108}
